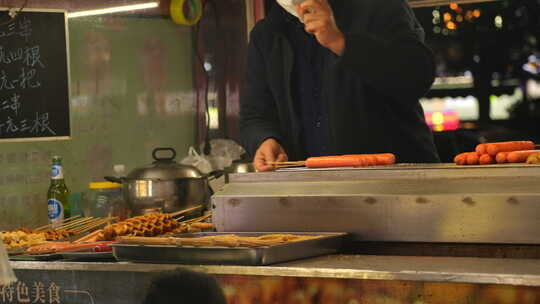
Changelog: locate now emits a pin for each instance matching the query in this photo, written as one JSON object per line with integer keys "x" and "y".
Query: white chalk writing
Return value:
{"x": 26, "y": 77}
{"x": 6, "y": 293}
{"x": 11, "y": 127}
{"x": 23, "y": 29}
{"x": 39, "y": 125}
{"x": 10, "y": 31}
{"x": 22, "y": 293}
{"x": 24, "y": 80}
{"x": 8, "y": 57}
{"x": 5, "y": 83}
{"x": 54, "y": 293}
{"x": 30, "y": 56}
{"x": 38, "y": 293}
{"x": 13, "y": 103}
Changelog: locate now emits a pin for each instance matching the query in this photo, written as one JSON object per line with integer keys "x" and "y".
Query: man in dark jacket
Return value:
{"x": 337, "y": 77}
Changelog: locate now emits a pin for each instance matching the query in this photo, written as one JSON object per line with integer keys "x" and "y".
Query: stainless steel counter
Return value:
{"x": 394, "y": 172}
{"x": 419, "y": 269}
{"x": 439, "y": 203}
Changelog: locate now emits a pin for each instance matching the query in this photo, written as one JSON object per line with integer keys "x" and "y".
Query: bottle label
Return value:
{"x": 56, "y": 212}
{"x": 57, "y": 172}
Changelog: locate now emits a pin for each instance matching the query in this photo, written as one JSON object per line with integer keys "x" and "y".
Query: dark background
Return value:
{"x": 494, "y": 55}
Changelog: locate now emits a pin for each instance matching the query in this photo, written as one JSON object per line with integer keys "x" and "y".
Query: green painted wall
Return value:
{"x": 131, "y": 91}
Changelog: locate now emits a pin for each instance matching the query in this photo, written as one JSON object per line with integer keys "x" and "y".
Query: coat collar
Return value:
{"x": 278, "y": 18}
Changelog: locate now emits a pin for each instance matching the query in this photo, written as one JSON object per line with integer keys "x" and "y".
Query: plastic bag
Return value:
{"x": 6, "y": 273}
{"x": 223, "y": 152}
{"x": 198, "y": 161}
{"x": 226, "y": 148}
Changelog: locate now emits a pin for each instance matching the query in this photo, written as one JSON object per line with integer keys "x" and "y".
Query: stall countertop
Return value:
{"x": 520, "y": 272}
{"x": 392, "y": 172}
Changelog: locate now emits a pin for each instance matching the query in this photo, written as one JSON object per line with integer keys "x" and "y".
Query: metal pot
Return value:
{"x": 165, "y": 185}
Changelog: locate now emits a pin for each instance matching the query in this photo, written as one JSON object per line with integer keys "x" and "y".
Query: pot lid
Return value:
{"x": 165, "y": 168}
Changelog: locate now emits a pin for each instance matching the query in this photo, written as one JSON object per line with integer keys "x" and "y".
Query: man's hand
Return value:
{"x": 269, "y": 151}
{"x": 318, "y": 18}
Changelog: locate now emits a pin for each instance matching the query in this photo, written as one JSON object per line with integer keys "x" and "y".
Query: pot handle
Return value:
{"x": 158, "y": 159}
{"x": 215, "y": 174}
{"x": 113, "y": 179}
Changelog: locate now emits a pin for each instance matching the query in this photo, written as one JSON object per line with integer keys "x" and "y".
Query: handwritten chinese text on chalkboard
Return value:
{"x": 34, "y": 81}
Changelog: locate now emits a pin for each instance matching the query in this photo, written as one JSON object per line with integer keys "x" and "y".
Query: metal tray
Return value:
{"x": 328, "y": 244}
{"x": 16, "y": 251}
{"x": 87, "y": 256}
{"x": 36, "y": 257}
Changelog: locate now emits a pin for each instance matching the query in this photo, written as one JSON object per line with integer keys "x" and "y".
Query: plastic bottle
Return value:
{"x": 105, "y": 200}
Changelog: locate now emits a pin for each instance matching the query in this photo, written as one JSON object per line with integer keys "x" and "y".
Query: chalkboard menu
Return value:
{"x": 34, "y": 76}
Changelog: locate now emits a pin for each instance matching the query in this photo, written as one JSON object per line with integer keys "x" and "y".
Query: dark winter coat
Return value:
{"x": 371, "y": 91}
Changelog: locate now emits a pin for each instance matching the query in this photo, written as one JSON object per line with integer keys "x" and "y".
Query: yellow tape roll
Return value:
{"x": 186, "y": 12}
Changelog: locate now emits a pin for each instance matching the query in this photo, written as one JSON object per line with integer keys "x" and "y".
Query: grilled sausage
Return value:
{"x": 481, "y": 149}
{"x": 462, "y": 158}
{"x": 333, "y": 161}
{"x": 502, "y": 157}
{"x": 508, "y": 146}
{"x": 520, "y": 156}
{"x": 472, "y": 158}
{"x": 486, "y": 159}
{"x": 380, "y": 159}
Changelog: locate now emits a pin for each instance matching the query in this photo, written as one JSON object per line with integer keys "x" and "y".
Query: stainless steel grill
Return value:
{"x": 403, "y": 203}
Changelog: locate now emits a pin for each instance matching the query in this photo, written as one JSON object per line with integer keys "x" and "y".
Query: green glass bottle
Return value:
{"x": 58, "y": 195}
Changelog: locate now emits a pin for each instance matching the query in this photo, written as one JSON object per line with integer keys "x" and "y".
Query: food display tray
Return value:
{"x": 328, "y": 243}
{"x": 87, "y": 256}
{"x": 16, "y": 251}
{"x": 36, "y": 257}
